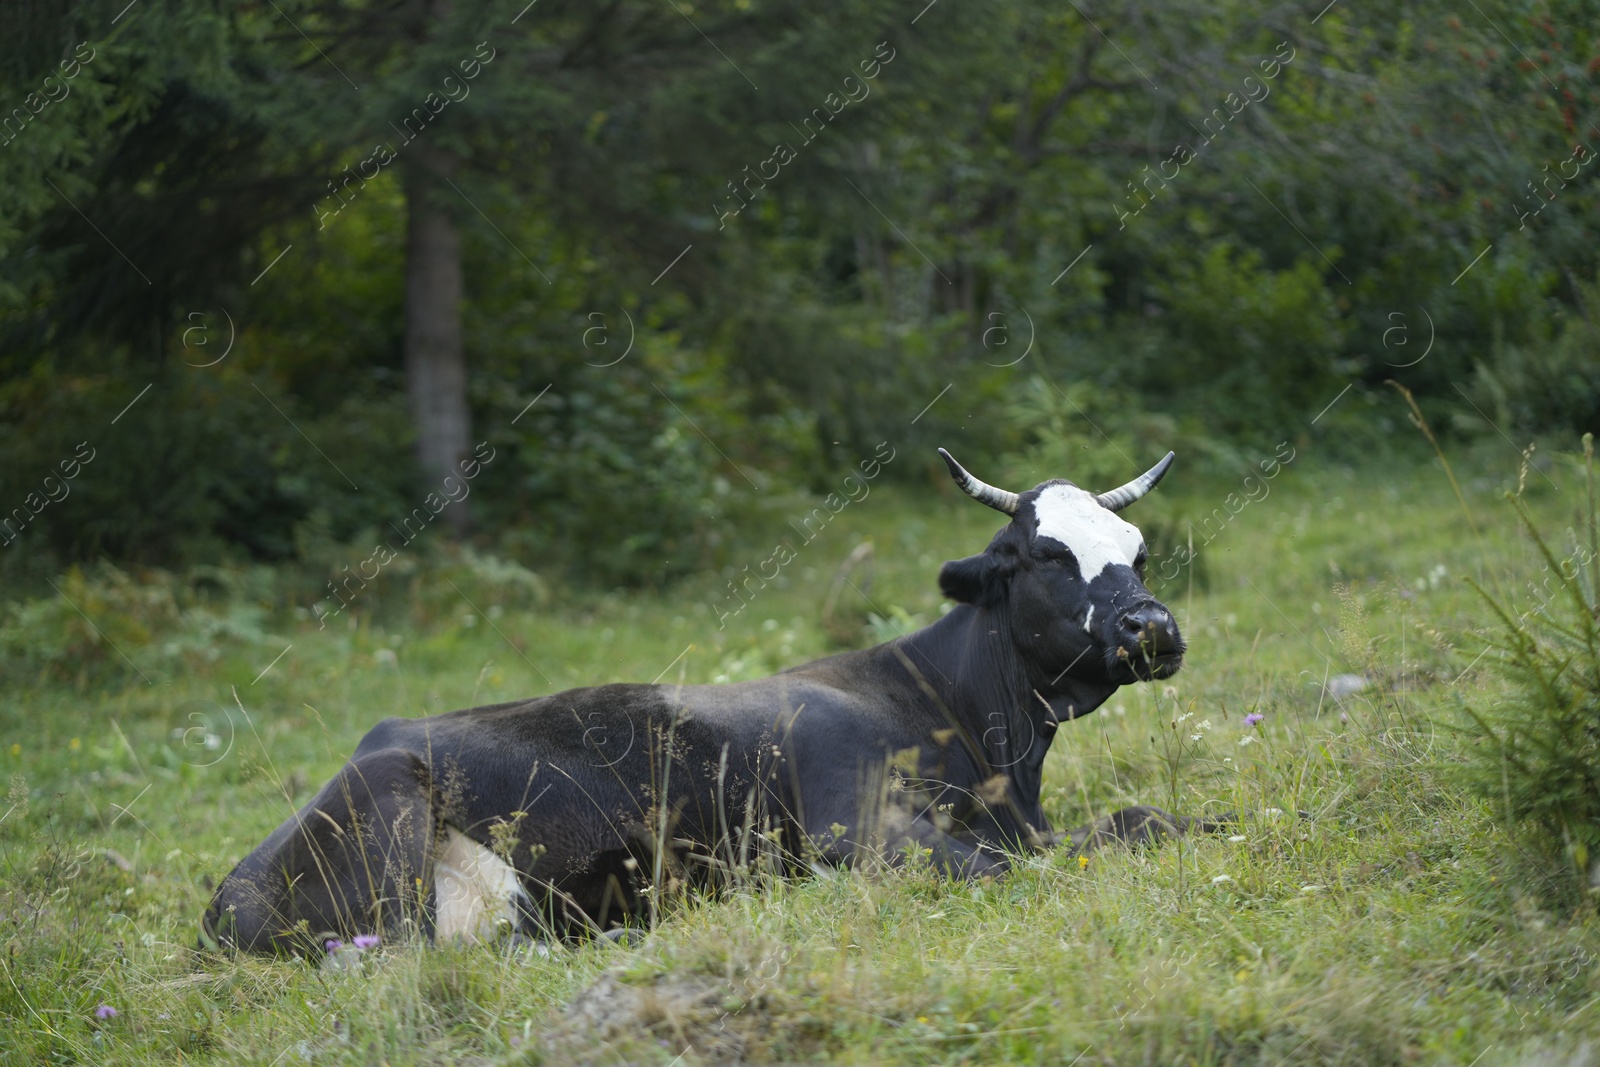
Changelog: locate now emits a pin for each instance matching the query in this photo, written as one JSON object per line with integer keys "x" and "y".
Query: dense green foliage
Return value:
{"x": 1224, "y": 214}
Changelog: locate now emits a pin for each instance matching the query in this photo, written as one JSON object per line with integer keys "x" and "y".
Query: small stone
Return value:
{"x": 1341, "y": 686}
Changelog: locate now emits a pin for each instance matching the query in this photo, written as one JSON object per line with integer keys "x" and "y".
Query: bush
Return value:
{"x": 616, "y": 483}
{"x": 199, "y": 469}
{"x": 1536, "y": 753}
{"x": 1231, "y": 320}
{"x": 1549, "y": 387}
{"x": 105, "y": 620}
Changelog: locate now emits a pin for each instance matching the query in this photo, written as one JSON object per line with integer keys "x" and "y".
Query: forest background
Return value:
{"x": 279, "y": 267}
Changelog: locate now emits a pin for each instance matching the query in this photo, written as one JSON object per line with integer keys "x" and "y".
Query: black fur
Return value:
{"x": 934, "y": 742}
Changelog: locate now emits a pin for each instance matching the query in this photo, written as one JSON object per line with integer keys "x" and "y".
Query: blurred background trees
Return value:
{"x": 412, "y": 220}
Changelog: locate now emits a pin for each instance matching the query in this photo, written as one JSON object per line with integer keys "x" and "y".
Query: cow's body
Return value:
{"x": 561, "y": 811}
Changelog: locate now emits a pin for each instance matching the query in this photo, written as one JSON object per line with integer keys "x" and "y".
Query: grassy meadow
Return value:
{"x": 1400, "y": 923}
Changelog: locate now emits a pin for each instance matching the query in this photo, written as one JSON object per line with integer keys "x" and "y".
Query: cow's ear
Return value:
{"x": 976, "y": 580}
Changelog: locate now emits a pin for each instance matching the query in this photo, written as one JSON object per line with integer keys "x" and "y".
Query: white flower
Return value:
{"x": 1204, "y": 724}
{"x": 1246, "y": 740}
{"x": 1219, "y": 879}
{"x": 1238, "y": 837}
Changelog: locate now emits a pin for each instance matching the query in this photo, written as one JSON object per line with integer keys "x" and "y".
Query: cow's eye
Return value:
{"x": 1139, "y": 562}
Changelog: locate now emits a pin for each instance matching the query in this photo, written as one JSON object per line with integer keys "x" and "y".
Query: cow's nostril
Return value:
{"x": 1150, "y": 631}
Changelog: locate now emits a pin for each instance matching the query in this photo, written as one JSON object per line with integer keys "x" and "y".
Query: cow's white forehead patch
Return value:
{"x": 1095, "y": 535}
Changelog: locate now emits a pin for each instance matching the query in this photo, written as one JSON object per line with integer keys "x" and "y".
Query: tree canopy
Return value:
{"x": 284, "y": 265}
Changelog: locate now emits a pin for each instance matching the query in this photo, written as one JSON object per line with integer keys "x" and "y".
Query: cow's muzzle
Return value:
{"x": 1150, "y": 644}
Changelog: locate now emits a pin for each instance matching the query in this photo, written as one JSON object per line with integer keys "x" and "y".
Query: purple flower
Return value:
{"x": 333, "y": 944}
{"x": 1253, "y": 718}
{"x": 105, "y": 1011}
{"x": 366, "y": 941}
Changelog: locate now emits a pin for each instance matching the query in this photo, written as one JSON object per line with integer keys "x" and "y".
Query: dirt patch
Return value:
{"x": 700, "y": 1018}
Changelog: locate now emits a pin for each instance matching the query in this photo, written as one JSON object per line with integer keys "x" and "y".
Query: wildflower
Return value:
{"x": 1253, "y": 718}
{"x": 75, "y": 744}
{"x": 1219, "y": 879}
{"x": 1247, "y": 740}
{"x": 333, "y": 944}
{"x": 16, "y": 749}
{"x": 1083, "y": 861}
{"x": 1238, "y": 837}
{"x": 1203, "y": 724}
{"x": 366, "y": 941}
{"x": 105, "y": 1011}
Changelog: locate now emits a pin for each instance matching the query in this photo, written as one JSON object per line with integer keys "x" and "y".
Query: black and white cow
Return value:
{"x": 560, "y": 812}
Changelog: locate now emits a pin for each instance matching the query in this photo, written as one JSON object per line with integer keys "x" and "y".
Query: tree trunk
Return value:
{"x": 436, "y": 366}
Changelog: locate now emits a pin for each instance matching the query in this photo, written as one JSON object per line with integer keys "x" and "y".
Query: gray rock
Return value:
{"x": 1341, "y": 686}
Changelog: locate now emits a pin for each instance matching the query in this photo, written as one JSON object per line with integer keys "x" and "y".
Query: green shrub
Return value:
{"x": 104, "y": 620}
{"x": 198, "y": 469}
{"x": 455, "y": 580}
{"x": 616, "y": 483}
{"x": 1230, "y": 319}
{"x": 1536, "y": 752}
{"x": 1551, "y": 386}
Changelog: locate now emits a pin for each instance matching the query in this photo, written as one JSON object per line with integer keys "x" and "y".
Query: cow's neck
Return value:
{"x": 970, "y": 662}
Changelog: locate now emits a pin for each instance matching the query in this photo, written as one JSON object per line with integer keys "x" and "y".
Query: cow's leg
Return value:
{"x": 358, "y": 858}
{"x": 956, "y": 857}
{"x": 899, "y": 833}
{"x": 1141, "y": 824}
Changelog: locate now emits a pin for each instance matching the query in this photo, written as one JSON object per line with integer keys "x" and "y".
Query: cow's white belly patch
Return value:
{"x": 1096, "y": 536}
{"x": 474, "y": 891}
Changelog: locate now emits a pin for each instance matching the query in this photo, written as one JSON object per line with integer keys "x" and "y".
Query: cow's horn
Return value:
{"x": 980, "y": 491}
{"x": 1123, "y": 495}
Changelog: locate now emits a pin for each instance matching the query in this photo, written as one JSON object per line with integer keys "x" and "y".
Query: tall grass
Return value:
{"x": 1536, "y": 751}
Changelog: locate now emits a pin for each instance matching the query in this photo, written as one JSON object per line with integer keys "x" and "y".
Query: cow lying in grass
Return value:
{"x": 561, "y": 812}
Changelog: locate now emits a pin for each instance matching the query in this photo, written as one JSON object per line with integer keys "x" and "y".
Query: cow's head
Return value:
{"x": 1070, "y": 573}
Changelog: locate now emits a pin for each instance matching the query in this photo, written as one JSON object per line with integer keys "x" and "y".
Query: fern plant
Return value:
{"x": 1536, "y": 752}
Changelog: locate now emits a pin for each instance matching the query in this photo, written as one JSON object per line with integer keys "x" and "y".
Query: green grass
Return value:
{"x": 1400, "y": 924}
